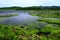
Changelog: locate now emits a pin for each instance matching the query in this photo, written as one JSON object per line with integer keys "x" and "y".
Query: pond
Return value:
{"x": 23, "y": 18}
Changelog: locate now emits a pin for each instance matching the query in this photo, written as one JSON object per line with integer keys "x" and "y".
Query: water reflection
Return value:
{"x": 23, "y": 17}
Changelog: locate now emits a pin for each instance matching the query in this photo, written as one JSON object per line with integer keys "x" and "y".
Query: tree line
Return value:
{"x": 32, "y": 8}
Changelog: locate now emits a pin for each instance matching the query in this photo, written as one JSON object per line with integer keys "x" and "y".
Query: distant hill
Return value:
{"x": 32, "y": 8}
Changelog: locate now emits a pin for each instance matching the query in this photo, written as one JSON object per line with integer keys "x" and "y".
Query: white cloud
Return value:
{"x": 29, "y": 2}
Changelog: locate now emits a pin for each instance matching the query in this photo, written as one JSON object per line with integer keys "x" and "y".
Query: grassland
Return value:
{"x": 8, "y": 32}
{"x": 34, "y": 31}
{"x": 46, "y": 13}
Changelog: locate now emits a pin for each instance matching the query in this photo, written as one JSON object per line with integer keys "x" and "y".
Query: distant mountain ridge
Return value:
{"x": 32, "y": 8}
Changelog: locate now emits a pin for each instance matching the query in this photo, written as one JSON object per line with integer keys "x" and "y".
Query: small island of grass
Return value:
{"x": 8, "y": 15}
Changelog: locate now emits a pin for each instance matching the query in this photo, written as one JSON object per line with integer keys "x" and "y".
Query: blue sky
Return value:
{"x": 26, "y": 3}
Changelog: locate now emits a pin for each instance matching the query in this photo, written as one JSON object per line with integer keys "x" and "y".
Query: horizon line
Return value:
{"x": 28, "y": 6}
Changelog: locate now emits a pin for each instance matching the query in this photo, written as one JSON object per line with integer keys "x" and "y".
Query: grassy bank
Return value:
{"x": 48, "y": 16}
{"x": 46, "y": 13}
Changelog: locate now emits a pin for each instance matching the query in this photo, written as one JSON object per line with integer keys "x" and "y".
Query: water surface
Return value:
{"x": 23, "y": 18}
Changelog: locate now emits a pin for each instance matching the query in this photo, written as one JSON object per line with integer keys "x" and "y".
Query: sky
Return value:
{"x": 27, "y": 3}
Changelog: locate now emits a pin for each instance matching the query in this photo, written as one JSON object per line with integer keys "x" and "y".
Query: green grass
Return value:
{"x": 44, "y": 16}
{"x": 46, "y": 13}
{"x": 50, "y": 21}
{"x": 8, "y": 32}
